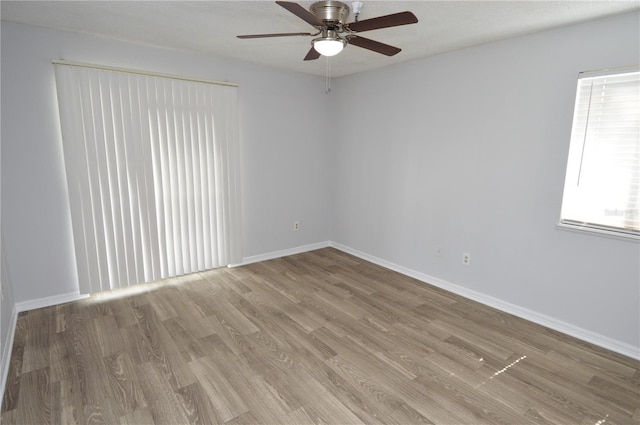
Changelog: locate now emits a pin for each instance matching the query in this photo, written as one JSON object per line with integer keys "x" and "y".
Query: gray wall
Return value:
{"x": 467, "y": 151}
{"x": 284, "y": 167}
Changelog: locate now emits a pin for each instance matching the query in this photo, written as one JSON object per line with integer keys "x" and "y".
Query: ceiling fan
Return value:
{"x": 328, "y": 18}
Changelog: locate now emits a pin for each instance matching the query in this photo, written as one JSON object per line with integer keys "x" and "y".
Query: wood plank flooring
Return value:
{"x": 315, "y": 338}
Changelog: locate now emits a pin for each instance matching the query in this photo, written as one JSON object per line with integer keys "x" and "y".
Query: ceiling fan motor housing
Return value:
{"x": 331, "y": 11}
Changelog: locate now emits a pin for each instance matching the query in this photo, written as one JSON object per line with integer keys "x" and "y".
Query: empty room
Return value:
{"x": 329, "y": 212}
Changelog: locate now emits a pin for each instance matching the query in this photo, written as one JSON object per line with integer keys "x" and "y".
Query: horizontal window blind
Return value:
{"x": 152, "y": 167}
{"x": 602, "y": 185}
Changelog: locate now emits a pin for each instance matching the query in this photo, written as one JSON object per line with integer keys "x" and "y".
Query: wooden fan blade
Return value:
{"x": 301, "y": 13}
{"x": 373, "y": 45}
{"x": 312, "y": 55}
{"x": 394, "y": 20}
{"x": 282, "y": 34}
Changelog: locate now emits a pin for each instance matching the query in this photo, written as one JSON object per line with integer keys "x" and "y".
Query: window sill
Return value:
{"x": 598, "y": 232}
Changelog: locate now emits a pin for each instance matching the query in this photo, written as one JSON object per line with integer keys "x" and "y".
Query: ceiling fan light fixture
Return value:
{"x": 328, "y": 46}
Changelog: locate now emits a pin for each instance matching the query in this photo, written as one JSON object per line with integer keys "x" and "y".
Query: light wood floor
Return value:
{"x": 320, "y": 337}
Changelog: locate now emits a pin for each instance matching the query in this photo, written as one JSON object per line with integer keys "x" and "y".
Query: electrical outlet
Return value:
{"x": 438, "y": 252}
{"x": 296, "y": 226}
{"x": 466, "y": 258}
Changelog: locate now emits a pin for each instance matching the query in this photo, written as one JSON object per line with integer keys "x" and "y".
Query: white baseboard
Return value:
{"x": 284, "y": 253}
{"x": 7, "y": 345}
{"x": 524, "y": 313}
{"x": 74, "y": 296}
{"x": 49, "y": 301}
{"x": 25, "y": 306}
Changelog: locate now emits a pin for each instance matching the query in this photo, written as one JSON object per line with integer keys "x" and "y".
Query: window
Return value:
{"x": 602, "y": 184}
{"x": 152, "y": 172}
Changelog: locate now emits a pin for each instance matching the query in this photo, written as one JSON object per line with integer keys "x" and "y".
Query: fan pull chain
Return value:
{"x": 327, "y": 88}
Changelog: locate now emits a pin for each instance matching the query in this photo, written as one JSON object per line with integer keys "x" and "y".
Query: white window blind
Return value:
{"x": 152, "y": 165}
{"x": 602, "y": 185}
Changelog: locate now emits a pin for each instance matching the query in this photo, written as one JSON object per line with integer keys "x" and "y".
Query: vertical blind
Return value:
{"x": 152, "y": 166}
{"x": 602, "y": 186}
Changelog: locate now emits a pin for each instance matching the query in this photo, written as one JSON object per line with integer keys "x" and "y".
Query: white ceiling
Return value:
{"x": 210, "y": 27}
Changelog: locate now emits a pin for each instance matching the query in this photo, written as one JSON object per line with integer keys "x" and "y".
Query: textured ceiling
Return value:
{"x": 210, "y": 27}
